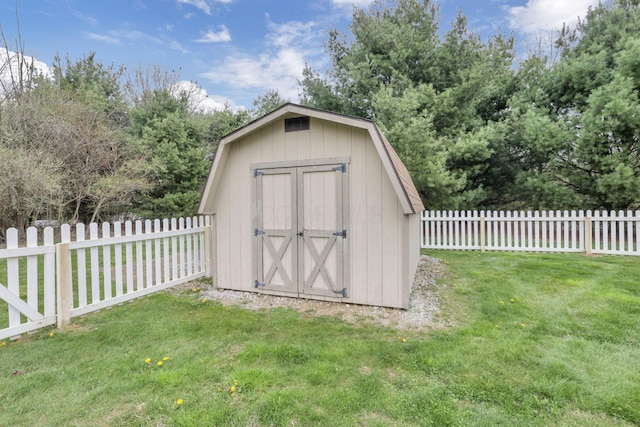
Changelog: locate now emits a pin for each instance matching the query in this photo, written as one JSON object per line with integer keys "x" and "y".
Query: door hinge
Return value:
{"x": 257, "y": 232}
{"x": 342, "y": 292}
{"x": 342, "y": 233}
{"x": 257, "y": 173}
{"x": 257, "y": 284}
{"x": 342, "y": 168}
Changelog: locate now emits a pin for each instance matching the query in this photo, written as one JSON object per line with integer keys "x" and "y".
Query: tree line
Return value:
{"x": 479, "y": 127}
{"x": 90, "y": 142}
{"x": 476, "y": 126}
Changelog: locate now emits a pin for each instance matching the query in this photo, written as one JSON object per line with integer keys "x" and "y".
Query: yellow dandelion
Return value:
{"x": 2, "y": 344}
{"x": 147, "y": 360}
{"x": 159, "y": 363}
{"x": 179, "y": 401}
{"x": 455, "y": 285}
{"x": 204, "y": 300}
{"x": 235, "y": 382}
{"x": 165, "y": 358}
{"x": 523, "y": 324}
{"x": 232, "y": 389}
{"x": 501, "y": 302}
{"x": 51, "y": 334}
{"x": 512, "y": 300}
{"x": 404, "y": 340}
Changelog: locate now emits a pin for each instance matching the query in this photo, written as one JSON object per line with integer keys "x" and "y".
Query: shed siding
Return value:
{"x": 374, "y": 204}
{"x": 391, "y": 249}
{"x": 379, "y": 232}
{"x": 221, "y": 201}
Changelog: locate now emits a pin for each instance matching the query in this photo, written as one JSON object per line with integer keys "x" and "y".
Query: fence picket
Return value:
{"x": 128, "y": 231}
{"x": 82, "y": 267}
{"x": 64, "y": 294}
{"x": 166, "y": 253}
{"x": 48, "y": 275}
{"x": 182, "y": 249}
{"x": 547, "y": 229}
{"x": 139, "y": 258}
{"x": 174, "y": 254}
{"x": 148, "y": 255}
{"x": 158, "y": 253}
{"x": 32, "y": 269}
{"x": 189, "y": 248}
{"x": 637, "y": 227}
{"x": 95, "y": 265}
{"x": 13, "y": 276}
{"x": 117, "y": 232}
{"x": 196, "y": 244}
{"x": 106, "y": 262}
{"x": 565, "y": 231}
{"x": 629, "y": 242}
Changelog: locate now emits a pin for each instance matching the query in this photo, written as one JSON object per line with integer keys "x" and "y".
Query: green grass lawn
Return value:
{"x": 539, "y": 340}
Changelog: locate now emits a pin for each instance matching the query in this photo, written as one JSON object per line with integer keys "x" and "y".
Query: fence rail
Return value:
{"x": 44, "y": 283}
{"x": 598, "y": 232}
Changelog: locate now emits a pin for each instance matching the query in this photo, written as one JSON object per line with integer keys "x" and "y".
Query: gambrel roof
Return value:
{"x": 396, "y": 170}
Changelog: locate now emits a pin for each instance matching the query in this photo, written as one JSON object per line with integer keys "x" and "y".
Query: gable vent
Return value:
{"x": 296, "y": 124}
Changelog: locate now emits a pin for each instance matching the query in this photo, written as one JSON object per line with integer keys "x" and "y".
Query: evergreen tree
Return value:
{"x": 593, "y": 101}
{"x": 431, "y": 97}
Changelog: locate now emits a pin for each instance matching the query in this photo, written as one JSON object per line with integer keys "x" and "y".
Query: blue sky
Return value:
{"x": 236, "y": 49}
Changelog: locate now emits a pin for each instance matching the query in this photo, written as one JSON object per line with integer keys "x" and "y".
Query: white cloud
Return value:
{"x": 203, "y": 5}
{"x": 134, "y": 35}
{"x": 86, "y": 18}
{"x": 291, "y": 33}
{"x": 174, "y": 45}
{"x": 360, "y": 3}
{"x": 199, "y": 99}
{"x": 119, "y": 36}
{"x": 12, "y": 64}
{"x": 103, "y": 38}
{"x": 200, "y": 4}
{"x": 280, "y": 72}
{"x": 289, "y": 47}
{"x": 345, "y": 7}
{"x": 215, "y": 37}
{"x": 539, "y": 16}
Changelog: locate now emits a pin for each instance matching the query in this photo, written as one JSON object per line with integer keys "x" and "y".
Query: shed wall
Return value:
{"x": 380, "y": 236}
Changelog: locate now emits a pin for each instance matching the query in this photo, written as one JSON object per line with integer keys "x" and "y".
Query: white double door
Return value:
{"x": 300, "y": 232}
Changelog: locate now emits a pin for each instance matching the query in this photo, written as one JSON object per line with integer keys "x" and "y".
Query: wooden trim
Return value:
{"x": 300, "y": 163}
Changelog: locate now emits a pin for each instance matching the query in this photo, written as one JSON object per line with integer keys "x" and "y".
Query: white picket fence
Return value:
{"x": 598, "y": 232}
{"x": 48, "y": 283}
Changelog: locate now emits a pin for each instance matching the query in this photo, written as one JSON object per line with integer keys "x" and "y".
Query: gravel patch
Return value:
{"x": 421, "y": 314}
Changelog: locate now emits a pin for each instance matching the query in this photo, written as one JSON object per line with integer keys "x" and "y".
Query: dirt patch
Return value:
{"x": 422, "y": 312}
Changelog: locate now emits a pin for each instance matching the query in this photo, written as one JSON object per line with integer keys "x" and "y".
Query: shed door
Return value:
{"x": 300, "y": 231}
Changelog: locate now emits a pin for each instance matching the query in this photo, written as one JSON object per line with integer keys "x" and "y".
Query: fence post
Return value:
{"x": 63, "y": 277}
{"x": 587, "y": 235}
{"x": 483, "y": 232}
{"x": 207, "y": 249}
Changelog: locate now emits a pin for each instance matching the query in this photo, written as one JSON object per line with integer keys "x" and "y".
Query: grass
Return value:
{"x": 539, "y": 340}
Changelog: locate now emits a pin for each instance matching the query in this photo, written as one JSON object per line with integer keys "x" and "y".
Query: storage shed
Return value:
{"x": 312, "y": 204}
